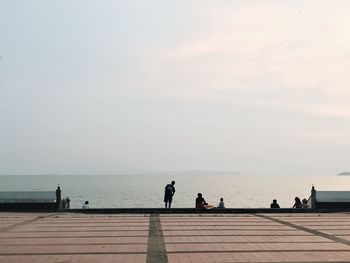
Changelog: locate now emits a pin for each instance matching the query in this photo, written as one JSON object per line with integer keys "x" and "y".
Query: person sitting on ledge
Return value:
{"x": 297, "y": 203}
{"x": 221, "y": 203}
{"x": 86, "y": 205}
{"x": 200, "y": 202}
{"x": 274, "y": 204}
{"x": 304, "y": 204}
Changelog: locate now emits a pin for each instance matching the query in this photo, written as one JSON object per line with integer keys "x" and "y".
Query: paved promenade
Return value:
{"x": 174, "y": 238}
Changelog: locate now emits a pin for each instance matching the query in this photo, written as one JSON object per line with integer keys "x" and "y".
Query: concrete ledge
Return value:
{"x": 24, "y": 207}
{"x": 199, "y": 211}
{"x": 176, "y": 210}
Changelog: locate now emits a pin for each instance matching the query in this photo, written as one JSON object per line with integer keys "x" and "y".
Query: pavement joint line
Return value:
{"x": 31, "y": 237}
{"x": 23, "y": 223}
{"x": 156, "y": 250}
{"x": 228, "y": 229}
{"x": 308, "y": 230}
{"x": 236, "y": 235}
{"x": 73, "y": 253}
{"x": 168, "y": 243}
{"x": 169, "y": 252}
{"x": 78, "y": 231}
{"x": 282, "y": 261}
{"x": 249, "y": 242}
{"x": 255, "y": 251}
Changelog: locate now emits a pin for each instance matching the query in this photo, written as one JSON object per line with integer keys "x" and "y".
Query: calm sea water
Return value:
{"x": 148, "y": 191}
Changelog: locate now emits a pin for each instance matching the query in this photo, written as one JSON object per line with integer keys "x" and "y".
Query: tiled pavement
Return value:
{"x": 174, "y": 238}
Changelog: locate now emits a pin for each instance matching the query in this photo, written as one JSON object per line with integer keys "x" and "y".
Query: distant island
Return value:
{"x": 197, "y": 172}
{"x": 344, "y": 173}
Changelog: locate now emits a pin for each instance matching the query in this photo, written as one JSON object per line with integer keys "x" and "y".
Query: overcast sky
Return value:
{"x": 110, "y": 87}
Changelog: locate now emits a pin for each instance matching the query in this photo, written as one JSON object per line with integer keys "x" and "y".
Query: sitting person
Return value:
{"x": 221, "y": 203}
{"x": 297, "y": 203}
{"x": 274, "y": 204}
{"x": 200, "y": 202}
{"x": 304, "y": 204}
{"x": 86, "y": 205}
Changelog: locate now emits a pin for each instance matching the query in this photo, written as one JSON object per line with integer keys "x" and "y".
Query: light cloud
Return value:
{"x": 287, "y": 47}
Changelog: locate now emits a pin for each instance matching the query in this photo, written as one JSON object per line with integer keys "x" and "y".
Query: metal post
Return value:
{"x": 58, "y": 198}
{"x": 313, "y": 197}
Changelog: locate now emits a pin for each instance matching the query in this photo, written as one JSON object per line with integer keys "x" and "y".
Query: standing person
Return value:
{"x": 68, "y": 202}
{"x": 168, "y": 194}
{"x": 274, "y": 204}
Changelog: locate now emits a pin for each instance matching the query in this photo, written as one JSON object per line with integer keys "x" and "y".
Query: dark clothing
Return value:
{"x": 169, "y": 192}
{"x": 274, "y": 205}
{"x": 297, "y": 203}
{"x": 200, "y": 202}
{"x": 58, "y": 198}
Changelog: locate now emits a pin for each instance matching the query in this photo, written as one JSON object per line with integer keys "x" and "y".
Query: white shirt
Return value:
{"x": 221, "y": 205}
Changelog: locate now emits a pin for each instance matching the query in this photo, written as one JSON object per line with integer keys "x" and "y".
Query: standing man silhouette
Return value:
{"x": 168, "y": 194}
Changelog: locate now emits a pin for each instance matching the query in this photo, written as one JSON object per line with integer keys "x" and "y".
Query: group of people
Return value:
{"x": 200, "y": 201}
{"x": 297, "y": 203}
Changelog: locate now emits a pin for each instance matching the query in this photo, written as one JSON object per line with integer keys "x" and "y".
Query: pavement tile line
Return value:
{"x": 156, "y": 251}
{"x": 308, "y": 230}
{"x": 23, "y": 223}
{"x": 253, "y": 251}
{"x": 74, "y": 253}
{"x": 95, "y": 236}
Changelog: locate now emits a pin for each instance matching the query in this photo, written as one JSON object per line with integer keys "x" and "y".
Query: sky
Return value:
{"x": 118, "y": 87}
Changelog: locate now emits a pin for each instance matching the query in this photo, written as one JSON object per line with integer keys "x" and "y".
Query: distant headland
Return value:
{"x": 344, "y": 173}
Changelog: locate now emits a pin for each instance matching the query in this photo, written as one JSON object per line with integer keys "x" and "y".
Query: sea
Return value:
{"x": 147, "y": 191}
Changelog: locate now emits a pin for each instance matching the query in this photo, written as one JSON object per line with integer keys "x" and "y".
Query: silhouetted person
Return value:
{"x": 221, "y": 203}
{"x": 168, "y": 194}
{"x": 274, "y": 204}
{"x": 200, "y": 202}
{"x": 68, "y": 202}
{"x": 304, "y": 204}
{"x": 297, "y": 203}
{"x": 58, "y": 197}
{"x": 86, "y": 205}
{"x": 64, "y": 203}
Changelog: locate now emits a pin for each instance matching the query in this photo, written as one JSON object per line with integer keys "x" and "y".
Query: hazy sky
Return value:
{"x": 258, "y": 87}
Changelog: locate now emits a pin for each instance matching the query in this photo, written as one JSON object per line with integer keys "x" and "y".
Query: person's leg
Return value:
{"x": 170, "y": 200}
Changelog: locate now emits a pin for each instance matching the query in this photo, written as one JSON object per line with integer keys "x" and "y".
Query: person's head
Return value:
{"x": 304, "y": 201}
{"x": 297, "y": 200}
{"x": 221, "y": 199}
{"x": 86, "y": 203}
{"x": 199, "y": 195}
{"x": 274, "y": 201}
{"x": 172, "y": 182}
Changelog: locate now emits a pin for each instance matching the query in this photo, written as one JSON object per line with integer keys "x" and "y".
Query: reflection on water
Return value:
{"x": 148, "y": 191}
